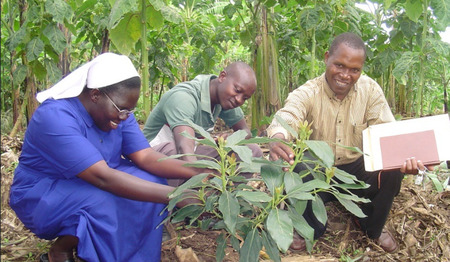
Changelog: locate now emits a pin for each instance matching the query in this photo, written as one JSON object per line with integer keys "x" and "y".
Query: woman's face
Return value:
{"x": 107, "y": 115}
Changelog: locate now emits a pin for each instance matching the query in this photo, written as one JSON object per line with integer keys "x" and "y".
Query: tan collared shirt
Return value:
{"x": 335, "y": 121}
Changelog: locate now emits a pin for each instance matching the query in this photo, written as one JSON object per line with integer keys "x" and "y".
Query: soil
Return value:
{"x": 419, "y": 220}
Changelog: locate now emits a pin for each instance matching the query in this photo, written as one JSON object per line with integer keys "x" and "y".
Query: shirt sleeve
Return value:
{"x": 294, "y": 112}
{"x": 133, "y": 138}
{"x": 179, "y": 107}
{"x": 57, "y": 137}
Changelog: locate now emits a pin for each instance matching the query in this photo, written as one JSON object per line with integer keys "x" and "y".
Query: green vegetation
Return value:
{"x": 174, "y": 40}
{"x": 251, "y": 218}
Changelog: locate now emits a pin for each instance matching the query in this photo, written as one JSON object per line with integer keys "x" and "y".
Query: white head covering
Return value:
{"x": 104, "y": 70}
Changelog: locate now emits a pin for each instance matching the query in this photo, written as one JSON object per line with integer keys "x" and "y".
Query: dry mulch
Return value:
{"x": 419, "y": 220}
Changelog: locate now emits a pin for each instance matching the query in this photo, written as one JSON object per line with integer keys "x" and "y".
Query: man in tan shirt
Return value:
{"x": 340, "y": 104}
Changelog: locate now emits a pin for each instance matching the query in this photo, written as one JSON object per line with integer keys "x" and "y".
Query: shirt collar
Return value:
{"x": 206, "y": 96}
{"x": 83, "y": 112}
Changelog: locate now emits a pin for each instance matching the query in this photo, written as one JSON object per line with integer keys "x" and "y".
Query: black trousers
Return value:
{"x": 384, "y": 186}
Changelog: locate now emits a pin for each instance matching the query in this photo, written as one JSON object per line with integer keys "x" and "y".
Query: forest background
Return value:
{"x": 171, "y": 41}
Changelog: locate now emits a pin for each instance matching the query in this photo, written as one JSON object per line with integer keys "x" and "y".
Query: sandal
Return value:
{"x": 298, "y": 243}
{"x": 44, "y": 258}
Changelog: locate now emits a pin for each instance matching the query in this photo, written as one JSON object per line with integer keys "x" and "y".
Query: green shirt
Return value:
{"x": 188, "y": 100}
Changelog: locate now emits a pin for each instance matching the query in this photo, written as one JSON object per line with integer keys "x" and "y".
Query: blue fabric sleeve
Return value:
{"x": 56, "y": 133}
{"x": 133, "y": 138}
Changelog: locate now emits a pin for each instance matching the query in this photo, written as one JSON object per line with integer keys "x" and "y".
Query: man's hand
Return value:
{"x": 279, "y": 150}
{"x": 412, "y": 166}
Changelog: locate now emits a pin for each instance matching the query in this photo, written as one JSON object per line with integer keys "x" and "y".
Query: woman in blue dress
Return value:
{"x": 87, "y": 175}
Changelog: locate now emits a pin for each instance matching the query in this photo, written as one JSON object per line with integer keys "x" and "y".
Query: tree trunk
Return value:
{"x": 266, "y": 99}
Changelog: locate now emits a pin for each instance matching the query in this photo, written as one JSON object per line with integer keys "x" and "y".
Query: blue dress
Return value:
{"x": 60, "y": 142}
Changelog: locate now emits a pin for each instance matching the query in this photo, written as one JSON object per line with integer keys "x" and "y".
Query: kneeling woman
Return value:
{"x": 87, "y": 175}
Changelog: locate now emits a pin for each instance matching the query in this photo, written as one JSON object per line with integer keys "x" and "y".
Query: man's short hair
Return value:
{"x": 350, "y": 39}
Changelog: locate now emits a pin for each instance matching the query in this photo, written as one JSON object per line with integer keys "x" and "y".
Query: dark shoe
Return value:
{"x": 387, "y": 242}
{"x": 298, "y": 243}
{"x": 44, "y": 258}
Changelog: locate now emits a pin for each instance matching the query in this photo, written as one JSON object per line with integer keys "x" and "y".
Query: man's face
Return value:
{"x": 343, "y": 69}
{"x": 234, "y": 89}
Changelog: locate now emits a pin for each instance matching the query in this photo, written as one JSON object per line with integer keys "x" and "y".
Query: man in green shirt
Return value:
{"x": 201, "y": 100}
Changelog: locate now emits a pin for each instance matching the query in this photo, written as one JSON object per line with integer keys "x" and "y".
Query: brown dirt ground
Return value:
{"x": 419, "y": 220}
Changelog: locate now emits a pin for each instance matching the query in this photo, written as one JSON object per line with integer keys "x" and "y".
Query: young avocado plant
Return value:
{"x": 250, "y": 218}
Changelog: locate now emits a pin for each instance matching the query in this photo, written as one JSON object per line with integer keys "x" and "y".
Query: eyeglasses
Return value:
{"x": 122, "y": 112}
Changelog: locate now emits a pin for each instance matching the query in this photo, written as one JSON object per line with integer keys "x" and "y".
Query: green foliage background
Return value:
{"x": 173, "y": 40}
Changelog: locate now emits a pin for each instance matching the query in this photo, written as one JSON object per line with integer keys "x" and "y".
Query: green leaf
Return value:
{"x": 404, "y": 65}
{"x": 235, "y": 243}
{"x": 340, "y": 27}
{"x": 291, "y": 180}
{"x": 322, "y": 150}
{"x": 55, "y": 37}
{"x": 17, "y": 38}
{"x": 361, "y": 185}
{"x": 386, "y": 58}
{"x": 441, "y": 9}
{"x": 279, "y": 225}
{"x": 350, "y": 206}
{"x": 250, "y": 167}
{"x": 244, "y": 153}
{"x": 201, "y": 131}
{"x": 235, "y": 138}
{"x": 187, "y": 211}
{"x": 126, "y": 33}
{"x": 344, "y": 176}
{"x": 300, "y": 206}
{"x": 257, "y": 140}
{"x": 229, "y": 207}
{"x": 154, "y": 18}
{"x": 301, "y": 226}
{"x": 38, "y": 69}
{"x": 309, "y": 19}
{"x": 194, "y": 181}
{"x": 319, "y": 210}
{"x": 351, "y": 197}
{"x": 34, "y": 48}
{"x": 436, "y": 182}
{"x": 87, "y": 5}
{"x": 54, "y": 74}
{"x": 204, "y": 164}
{"x": 298, "y": 191}
{"x": 409, "y": 28}
{"x": 203, "y": 141}
{"x": 414, "y": 9}
{"x": 120, "y": 9}
{"x": 59, "y": 9}
{"x": 221, "y": 245}
{"x": 19, "y": 74}
{"x": 286, "y": 126}
{"x": 271, "y": 247}
{"x": 272, "y": 176}
{"x": 252, "y": 245}
{"x": 254, "y": 196}
{"x": 229, "y": 11}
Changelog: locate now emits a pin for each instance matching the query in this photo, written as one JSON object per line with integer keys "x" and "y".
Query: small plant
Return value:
{"x": 251, "y": 219}
{"x": 440, "y": 173}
